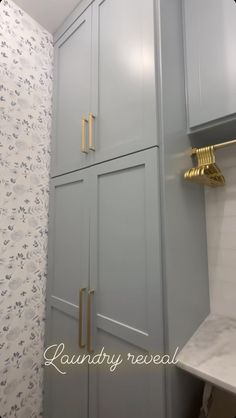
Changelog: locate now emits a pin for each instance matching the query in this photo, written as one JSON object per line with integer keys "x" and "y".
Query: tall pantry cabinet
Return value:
{"x": 119, "y": 220}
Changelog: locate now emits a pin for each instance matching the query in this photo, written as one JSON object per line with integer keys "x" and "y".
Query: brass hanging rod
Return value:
{"x": 217, "y": 146}
{"x": 207, "y": 172}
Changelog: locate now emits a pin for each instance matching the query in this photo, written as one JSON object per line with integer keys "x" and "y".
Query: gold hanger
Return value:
{"x": 207, "y": 172}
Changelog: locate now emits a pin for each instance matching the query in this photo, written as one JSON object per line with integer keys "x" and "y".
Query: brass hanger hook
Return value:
{"x": 207, "y": 172}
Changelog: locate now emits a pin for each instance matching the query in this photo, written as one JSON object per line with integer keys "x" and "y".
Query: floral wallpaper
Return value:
{"x": 26, "y": 56}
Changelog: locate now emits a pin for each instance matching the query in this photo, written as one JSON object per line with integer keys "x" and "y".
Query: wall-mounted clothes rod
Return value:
{"x": 217, "y": 146}
{"x": 207, "y": 172}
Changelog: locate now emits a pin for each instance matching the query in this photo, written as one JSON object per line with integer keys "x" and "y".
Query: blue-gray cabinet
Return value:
{"x": 126, "y": 274}
{"x": 68, "y": 271}
{"x": 127, "y": 239}
{"x": 210, "y": 36}
{"x": 104, "y": 99}
{"x": 123, "y": 77}
{"x": 105, "y": 240}
{"x": 72, "y": 91}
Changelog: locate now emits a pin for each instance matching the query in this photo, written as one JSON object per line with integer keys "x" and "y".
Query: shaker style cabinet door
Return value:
{"x": 67, "y": 395}
{"x": 125, "y": 273}
{"x": 210, "y": 32}
{"x": 72, "y": 97}
{"x": 123, "y": 78}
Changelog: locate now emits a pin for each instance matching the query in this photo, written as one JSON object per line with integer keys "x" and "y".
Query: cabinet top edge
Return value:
{"x": 71, "y": 19}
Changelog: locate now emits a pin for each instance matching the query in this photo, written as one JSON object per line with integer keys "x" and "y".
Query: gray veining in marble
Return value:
{"x": 211, "y": 353}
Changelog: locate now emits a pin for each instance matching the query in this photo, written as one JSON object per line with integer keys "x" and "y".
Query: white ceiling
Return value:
{"x": 49, "y": 13}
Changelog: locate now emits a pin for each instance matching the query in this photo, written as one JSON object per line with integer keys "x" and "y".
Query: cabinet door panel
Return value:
{"x": 127, "y": 392}
{"x": 71, "y": 95}
{"x": 70, "y": 238}
{"x": 68, "y": 272}
{"x": 126, "y": 276}
{"x": 69, "y": 392}
{"x": 210, "y": 59}
{"x": 121, "y": 223}
{"x": 123, "y": 92}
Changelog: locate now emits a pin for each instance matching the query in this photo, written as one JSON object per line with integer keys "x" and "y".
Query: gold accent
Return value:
{"x": 81, "y": 344}
{"x": 89, "y": 320}
{"x": 207, "y": 172}
{"x": 91, "y": 143}
{"x": 218, "y": 146}
{"x": 84, "y": 148}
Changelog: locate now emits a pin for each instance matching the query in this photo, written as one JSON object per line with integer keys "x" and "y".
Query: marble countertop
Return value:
{"x": 211, "y": 353}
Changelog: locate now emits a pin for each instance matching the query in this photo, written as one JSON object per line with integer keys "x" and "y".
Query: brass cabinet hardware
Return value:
{"x": 81, "y": 292}
{"x": 84, "y": 148}
{"x": 89, "y": 321}
{"x": 91, "y": 133}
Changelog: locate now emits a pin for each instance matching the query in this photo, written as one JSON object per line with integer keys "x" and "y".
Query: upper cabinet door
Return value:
{"x": 210, "y": 59}
{"x": 72, "y": 96}
{"x": 123, "y": 77}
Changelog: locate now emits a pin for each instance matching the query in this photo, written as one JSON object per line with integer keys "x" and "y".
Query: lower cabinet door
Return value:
{"x": 125, "y": 272}
{"x": 66, "y": 386}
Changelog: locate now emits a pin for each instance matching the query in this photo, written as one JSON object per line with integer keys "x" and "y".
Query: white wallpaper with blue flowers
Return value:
{"x": 26, "y": 57}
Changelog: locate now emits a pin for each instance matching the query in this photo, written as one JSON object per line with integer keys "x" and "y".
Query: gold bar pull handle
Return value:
{"x": 91, "y": 132}
{"x": 89, "y": 321}
{"x": 81, "y": 293}
{"x": 84, "y": 148}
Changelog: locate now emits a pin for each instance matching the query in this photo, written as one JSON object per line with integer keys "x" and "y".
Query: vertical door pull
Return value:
{"x": 91, "y": 133}
{"x": 81, "y": 292}
{"x": 84, "y": 148}
{"x": 89, "y": 322}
